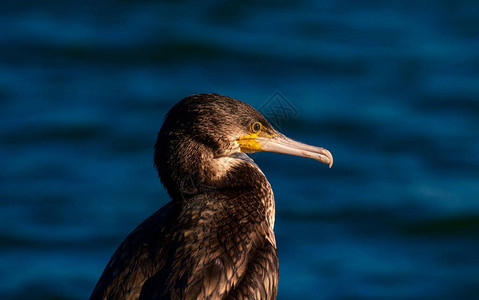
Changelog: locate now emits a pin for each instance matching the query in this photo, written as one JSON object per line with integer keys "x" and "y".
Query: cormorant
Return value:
{"x": 215, "y": 239}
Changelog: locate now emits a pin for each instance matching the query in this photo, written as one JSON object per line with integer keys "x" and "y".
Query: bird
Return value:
{"x": 215, "y": 238}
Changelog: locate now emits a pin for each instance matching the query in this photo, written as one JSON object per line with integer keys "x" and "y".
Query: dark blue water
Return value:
{"x": 391, "y": 88}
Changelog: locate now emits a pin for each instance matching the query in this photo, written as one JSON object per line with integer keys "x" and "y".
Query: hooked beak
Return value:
{"x": 280, "y": 143}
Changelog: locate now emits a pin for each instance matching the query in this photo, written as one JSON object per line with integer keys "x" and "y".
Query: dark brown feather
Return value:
{"x": 215, "y": 239}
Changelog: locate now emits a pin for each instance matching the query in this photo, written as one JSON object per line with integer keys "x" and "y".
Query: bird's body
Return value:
{"x": 215, "y": 239}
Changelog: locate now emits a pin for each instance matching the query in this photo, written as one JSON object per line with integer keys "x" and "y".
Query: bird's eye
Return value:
{"x": 256, "y": 126}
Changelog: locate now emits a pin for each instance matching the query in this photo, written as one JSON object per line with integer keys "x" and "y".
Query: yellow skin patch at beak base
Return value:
{"x": 248, "y": 142}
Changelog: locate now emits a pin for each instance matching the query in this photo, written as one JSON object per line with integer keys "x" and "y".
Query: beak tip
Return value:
{"x": 329, "y": 157}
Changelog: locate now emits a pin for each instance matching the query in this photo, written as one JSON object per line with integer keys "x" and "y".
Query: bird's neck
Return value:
{"x": 239, "y": 178}
{"x": 195, "y": 169}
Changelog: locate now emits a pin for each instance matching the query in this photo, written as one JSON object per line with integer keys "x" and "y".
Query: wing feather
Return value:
{"x": 209, "y": 249}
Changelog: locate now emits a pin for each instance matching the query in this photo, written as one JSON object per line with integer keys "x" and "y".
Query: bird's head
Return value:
{"x": 205, "y": 135}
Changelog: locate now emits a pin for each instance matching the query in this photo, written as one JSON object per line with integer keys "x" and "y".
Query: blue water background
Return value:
{"x": 391, "y": 88}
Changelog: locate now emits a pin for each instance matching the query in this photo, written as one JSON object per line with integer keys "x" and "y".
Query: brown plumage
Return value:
{"x": 215, "y": 239}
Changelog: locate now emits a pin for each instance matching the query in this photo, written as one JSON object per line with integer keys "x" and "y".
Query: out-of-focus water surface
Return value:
{"x": 390, "y": 87}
